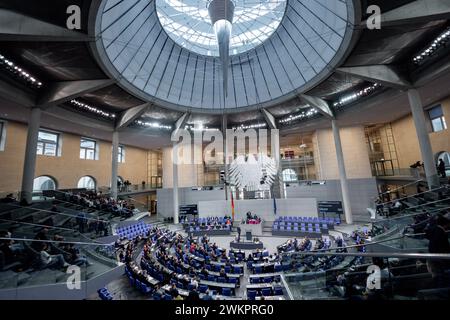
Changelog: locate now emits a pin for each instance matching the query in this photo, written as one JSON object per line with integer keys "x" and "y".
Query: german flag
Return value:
{"x": 232, "y": 206}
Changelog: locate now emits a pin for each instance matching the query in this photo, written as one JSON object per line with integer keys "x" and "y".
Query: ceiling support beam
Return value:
{"x": 181, "y": 122}
{"x": 60, "y": 92}
{"x": 321, "y": 105}
{"x": 13, "y": 93}
{"x": 383, "y": 74}
{"x": 18, "y": 27}
{"x": 269, "y": 119}
{"x": 129, "y": 116}
{"x": 416, "y": 11}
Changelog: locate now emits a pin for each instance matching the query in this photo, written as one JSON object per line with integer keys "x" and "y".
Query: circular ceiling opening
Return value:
{"x": 188, "y": 24}
{"x": 166, "y": 52}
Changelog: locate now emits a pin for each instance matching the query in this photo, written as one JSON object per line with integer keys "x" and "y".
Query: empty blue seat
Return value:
{"x": 146, "y": 289}
{"x": 254, "y": 280}
{"x": 266, "y": 292}
{"x": 251, "y": 294}
{"x": 211, "y": 278}
{"x": 202, "y": 288}
{"x": 237, "y": 269}
{"x": 221, "y": 279}
{"x": 226, "y": 292}
{"x": 233, "y": 280}
{"x": 167, "y": 297}
{"x": 138, "y": 284}
{"x": 258, "y": 269}
{"x": 190, "y": 286}
{"x": 267, "y": 279}
{"x": 278, "y": 291}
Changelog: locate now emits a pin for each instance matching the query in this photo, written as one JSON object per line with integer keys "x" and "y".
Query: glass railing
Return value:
{"x": 124, "y": 189}
{"x": 64, "y": 262}
{"x": 371, "y": 276}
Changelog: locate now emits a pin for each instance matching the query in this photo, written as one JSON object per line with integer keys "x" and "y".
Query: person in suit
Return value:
{"x": 438, "y": 243}
{"x": 174, "y": 291}
{"x": 239, "y": 234}
{"x": 193, "y": 296}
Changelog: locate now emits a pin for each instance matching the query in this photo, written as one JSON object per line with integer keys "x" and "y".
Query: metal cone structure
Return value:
{"x": 221, "y": 13}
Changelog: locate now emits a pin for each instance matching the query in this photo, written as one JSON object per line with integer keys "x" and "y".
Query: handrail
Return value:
{"x": 55, "y": 213}
{"x": 428, "y": 203}
{"x": 410, "y": 215}
{"x": 286, "y": 286}
{"x": 37, "y": 225}
{"x": 432, "y": 256}
{"x": 63, "y": 201}
{"x": 355, "y": 246}
{"x": 405, "y": 185}
{"x": 58, "y": 242}
{"x": 411, "y": 196}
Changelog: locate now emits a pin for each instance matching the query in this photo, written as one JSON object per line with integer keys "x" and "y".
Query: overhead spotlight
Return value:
{"x": 19, "y": 72}
{"x": 357, "y": 95}
{"x": 305, "y": 114}
{"x": 155, "y": 125}
{"x": 86, "y": 107}
{"x": 429, "y": 51}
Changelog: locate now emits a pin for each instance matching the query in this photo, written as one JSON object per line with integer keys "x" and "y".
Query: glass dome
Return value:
{"x": 187, "y": 22}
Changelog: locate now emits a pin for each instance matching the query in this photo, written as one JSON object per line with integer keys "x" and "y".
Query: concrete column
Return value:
{"x": 29, "y": 165}
{"x": 115, "y": 163}
{"x": 424, "y": 139}
{"x": 225, "y": 153}
{"x": 175, "y": 185}
{"x": 342, "y": 173}
{"x": 275, "y": 153}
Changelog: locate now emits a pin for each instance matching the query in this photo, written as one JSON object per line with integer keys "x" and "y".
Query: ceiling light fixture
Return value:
{"x": 437, "y": 44}
{"x": 357, "y": 95}
{"x": 305, "y": 114}
{"x": 19, "y": 72}
{"x": 251, "y": 126}
{"x": 91, "y": 109}
{"x": 155, "y": 125}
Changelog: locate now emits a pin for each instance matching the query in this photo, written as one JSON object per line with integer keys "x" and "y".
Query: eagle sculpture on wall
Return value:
{"x": 253, "y": 173}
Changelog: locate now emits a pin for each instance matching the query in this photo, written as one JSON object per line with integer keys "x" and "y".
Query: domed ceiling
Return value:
{"x": 164, "y": 51}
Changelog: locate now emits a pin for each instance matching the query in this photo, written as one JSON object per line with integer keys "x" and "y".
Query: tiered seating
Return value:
{"x": 312, "y": 227}
{"x": 132, "y": 231}
{"x": 209, "y": 226}
{"x": 104, "y": 294}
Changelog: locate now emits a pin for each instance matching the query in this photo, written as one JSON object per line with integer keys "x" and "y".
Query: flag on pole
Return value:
{"x": 274, "y": 206}
{"x": 232, "y": 205}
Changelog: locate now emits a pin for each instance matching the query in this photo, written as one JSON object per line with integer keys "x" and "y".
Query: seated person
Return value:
{"x": 174, "y": 291}
{"x": 193, "y": 296}
{"x": 47, "y": 260}
{"x": 222, "y": 273}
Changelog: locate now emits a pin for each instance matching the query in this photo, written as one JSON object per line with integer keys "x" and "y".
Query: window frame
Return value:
{"x": 48, "y": 142}
{"x": 90, "y": 177}
{"x": 3, "y": 125}
{"x": 86, "y": 149}
{"x": 121, "y": 154}
{"x": 441, "y": 118}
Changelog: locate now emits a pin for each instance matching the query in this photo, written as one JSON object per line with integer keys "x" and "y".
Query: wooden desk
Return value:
{"x": 272, "y": 298}
{"x": 263, "y": 275}
{"x": 218, "y": 284}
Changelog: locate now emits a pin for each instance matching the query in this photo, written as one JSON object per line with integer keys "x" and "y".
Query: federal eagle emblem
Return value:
{"x": 253, "y": 173}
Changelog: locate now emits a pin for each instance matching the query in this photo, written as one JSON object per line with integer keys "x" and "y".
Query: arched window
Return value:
{"x": 87, "y": 182}
{"x": 289, "y": 175}
{"x": 445, "y": 156}
{"x": 43, "y": 183}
